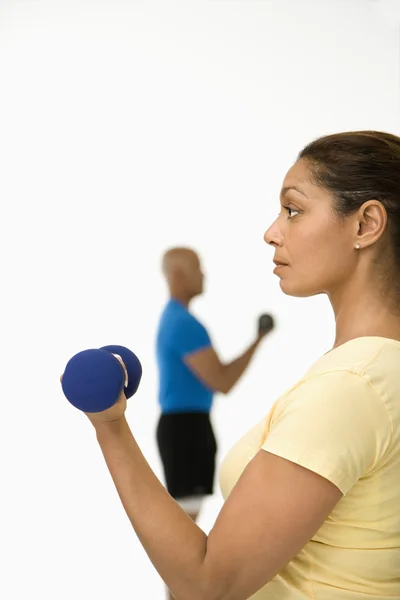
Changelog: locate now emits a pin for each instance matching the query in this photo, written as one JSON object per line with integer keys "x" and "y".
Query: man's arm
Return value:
{"x": 218, "y": 376}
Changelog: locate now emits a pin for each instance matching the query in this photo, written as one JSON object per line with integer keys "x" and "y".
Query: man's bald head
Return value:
{"x": 179, "y": 259}
{"x": 182, "y": 270}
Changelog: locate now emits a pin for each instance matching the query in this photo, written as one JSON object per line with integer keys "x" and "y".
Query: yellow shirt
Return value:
{"x": 341, "y": 420}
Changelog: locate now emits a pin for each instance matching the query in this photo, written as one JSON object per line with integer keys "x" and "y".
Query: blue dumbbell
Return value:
{"x": 93, "y": 380}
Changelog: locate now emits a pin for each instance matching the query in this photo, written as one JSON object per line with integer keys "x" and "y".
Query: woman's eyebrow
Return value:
{"x": 292, "y": 187}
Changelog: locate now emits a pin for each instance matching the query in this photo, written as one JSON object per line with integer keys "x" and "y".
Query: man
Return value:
{"x": 190, "y": 373}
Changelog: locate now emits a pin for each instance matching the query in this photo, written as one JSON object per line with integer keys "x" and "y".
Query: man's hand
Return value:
{"x": 265, "y": 325}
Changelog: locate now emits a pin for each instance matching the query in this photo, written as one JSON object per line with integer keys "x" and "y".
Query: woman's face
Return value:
{"x": 317, "y": 248}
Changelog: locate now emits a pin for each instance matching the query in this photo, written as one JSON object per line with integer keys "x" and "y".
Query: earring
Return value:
{"x": 357, "y": 246}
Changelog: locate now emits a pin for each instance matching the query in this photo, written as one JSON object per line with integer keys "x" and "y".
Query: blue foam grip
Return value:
{"x": 93, "y": 380}
{"x": 133, "y": 367}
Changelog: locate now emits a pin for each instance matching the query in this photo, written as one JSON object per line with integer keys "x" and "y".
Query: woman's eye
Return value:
{"x": 291, "y": 211}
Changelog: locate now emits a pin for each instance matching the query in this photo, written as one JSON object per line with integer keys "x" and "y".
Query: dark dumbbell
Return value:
{"x": 265, "y": 323}
{"x": 93, "y": 380}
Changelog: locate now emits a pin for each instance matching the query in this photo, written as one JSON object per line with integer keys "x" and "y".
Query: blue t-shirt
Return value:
{"x": 180, "y": 333}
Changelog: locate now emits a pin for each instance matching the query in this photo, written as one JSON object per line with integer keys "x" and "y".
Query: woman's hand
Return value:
{"x": 112, "y": 414}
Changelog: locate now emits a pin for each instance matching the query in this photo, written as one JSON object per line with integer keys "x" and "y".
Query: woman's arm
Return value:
{"x": 174, "y": 543}
{"x": 272, "y": 512}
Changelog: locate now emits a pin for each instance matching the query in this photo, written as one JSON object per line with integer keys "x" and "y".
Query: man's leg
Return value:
{"x": 191, "y": 505}
{"x": 193, "y": 516}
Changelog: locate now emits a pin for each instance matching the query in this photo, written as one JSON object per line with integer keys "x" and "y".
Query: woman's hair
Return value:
{"x": 357, "y": 166}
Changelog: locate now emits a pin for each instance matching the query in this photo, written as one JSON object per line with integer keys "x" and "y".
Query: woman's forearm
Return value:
{"x": 174, "y": 543}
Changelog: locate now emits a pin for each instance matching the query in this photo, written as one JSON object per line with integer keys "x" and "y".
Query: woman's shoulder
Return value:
{"x": 362, "y": 373}
{"x": 363, "y": 356}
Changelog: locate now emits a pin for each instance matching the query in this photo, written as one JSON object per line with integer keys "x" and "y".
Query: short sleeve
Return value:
{"x": 191, "y": 337}
{"x": 334, "y": 424}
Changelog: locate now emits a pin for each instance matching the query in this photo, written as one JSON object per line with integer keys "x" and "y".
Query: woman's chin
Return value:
{"x": 290, "y": 288}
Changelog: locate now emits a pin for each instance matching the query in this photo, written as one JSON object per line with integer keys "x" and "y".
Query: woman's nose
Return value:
{"x": 273, "y": 235}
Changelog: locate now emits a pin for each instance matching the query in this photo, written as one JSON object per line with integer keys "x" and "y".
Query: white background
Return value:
{"x": 127, "y": 127}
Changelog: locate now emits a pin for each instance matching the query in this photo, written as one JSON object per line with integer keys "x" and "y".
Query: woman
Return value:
{"x": 313, "y": 491}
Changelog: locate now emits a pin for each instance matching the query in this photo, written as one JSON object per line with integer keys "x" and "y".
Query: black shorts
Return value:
{"x": 187, "y": 448}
